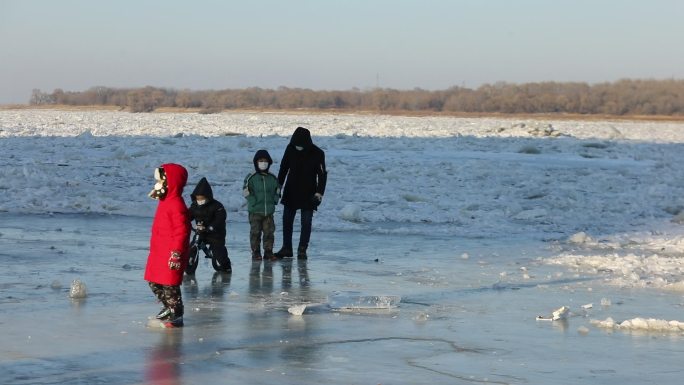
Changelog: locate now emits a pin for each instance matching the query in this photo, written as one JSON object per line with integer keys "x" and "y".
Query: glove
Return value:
{"x": 175, "y": 260}
{"x": 200, "y": 228}
{"x": 319, "y": 197}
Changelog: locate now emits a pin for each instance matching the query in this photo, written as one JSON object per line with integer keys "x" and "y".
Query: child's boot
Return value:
{"x": 268, "y": 254}
{"x": 256, "y": 255}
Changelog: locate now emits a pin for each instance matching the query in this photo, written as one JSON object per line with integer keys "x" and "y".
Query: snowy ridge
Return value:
{"x": 111, "y": 123}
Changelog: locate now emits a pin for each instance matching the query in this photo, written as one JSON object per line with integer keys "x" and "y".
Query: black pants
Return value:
{"x": 288, "y": 224}
{"x": 220, "y": 252}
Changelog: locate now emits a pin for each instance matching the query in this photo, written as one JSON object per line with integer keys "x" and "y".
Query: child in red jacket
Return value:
{"x": 169, "y": 243}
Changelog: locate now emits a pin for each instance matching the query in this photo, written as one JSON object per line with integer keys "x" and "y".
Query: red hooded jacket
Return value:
{"x": 170, "y": 230}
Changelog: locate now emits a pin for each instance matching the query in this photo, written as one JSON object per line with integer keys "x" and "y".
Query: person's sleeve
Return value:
{"x": 321, "y": 174}
{"x": 276, "y": 191}
{"x": 219, "y": 219}
{"x": 284, "y": 167}
{"x": 245, "y": 187}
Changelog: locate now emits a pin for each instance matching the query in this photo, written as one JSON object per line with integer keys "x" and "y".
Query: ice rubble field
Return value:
{"x": 609, "y": 196}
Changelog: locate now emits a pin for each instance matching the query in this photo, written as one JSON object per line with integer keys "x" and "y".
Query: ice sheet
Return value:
{"x": 479, "y": 225}
{"x": 467, "y": 320}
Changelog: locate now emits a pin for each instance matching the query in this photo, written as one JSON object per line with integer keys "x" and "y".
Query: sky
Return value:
{"x": 333, "y": 45}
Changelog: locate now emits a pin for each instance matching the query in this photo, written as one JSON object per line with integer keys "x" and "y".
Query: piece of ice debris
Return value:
{"x": 363, "y": 302}
{"x": 561, "y": 313}
{"x": 579, "y": 238}
{"x": 587, "y": 306}
{"x": 78, "y": 289}
{"x": 583, "y": 330}
{"x": 557, "y": 315}
{"x": 350, "y": 213}
{"x": 56, "y": 285}
{"x": 421, "y": 317}
{"x": 284, "y": 293}
{"x": 301, "y": 308}
{"x": 605, "y": 302}
{"x": 465, "y": 256}
{"x": 297, "y": 309}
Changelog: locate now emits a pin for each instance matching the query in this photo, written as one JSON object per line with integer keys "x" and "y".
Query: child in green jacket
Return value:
{"x": 262, "y": 192}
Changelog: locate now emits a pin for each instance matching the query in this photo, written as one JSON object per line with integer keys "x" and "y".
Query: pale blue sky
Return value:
{"x": 320, "y": 44}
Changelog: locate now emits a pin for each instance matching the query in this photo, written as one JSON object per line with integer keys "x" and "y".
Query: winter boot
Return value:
{"x": 173, "y": 321}
{"x": 268, "y": 255}
{"x": 301, "y": 253}
{"x": 284, "y": 253}
{"x": 256, "y": 255}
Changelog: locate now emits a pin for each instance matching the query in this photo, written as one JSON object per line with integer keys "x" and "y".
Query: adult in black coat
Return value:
{"x": 303, "y": 177}
{"x": 210, "y": 221}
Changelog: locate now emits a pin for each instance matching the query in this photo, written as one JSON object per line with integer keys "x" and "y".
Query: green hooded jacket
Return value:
{"x": 261, "y": 188}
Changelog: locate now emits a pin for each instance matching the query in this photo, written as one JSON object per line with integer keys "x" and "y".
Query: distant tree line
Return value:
{"x": 623, "y": 97}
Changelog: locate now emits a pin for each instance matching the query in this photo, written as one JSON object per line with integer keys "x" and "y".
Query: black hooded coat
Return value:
{"x": 211, "y": 214}
{"x": 302, "y": 173}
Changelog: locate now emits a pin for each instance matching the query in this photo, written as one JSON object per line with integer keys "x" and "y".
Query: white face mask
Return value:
{"x": 299, "y": 148}
{"x": 263, "y": 166}
{"x": 202, "y": 202}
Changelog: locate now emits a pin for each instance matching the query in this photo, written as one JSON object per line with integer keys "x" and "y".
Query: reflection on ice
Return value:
{"x": 163, "y": 362}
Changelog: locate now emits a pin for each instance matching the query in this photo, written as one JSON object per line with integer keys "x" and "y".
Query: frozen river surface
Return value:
{"x": 479, "y": 225}
{"x": 467, "y": 313}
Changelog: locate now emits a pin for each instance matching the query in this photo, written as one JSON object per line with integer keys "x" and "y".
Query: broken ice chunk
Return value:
{"x": 78, "y": 289}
